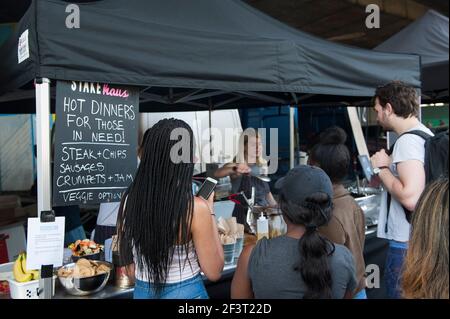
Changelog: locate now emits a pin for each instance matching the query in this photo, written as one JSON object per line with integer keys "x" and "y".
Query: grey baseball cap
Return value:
{"x": 302, "y": 181}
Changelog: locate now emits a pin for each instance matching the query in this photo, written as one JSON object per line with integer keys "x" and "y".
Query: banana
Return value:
{"x": 34, "y": 273}
{"x": 23, "y": 262}
{"x": 19, "y": 274}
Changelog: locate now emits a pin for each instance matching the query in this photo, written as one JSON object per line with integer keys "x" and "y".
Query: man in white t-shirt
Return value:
{"x": 402, "y": 173}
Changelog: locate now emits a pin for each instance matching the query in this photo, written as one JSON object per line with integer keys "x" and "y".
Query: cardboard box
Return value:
{"x": 30, "y": 210}
{"x": 9, "y": 201}
{"x": 12, "y": 231}
{"x": 10, "y": 209}
{"x": 11, "y": 215}
{"x": 14, "y": 240}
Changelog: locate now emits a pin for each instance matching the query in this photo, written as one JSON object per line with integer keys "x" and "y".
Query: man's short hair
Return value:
{"x": 402, "y": 97}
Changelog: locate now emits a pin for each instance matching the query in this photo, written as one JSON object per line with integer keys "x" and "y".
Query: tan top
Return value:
{"x": 347, "y": 227}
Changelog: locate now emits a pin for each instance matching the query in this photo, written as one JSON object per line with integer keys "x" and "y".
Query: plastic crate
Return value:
{"x": 26, "y": 290}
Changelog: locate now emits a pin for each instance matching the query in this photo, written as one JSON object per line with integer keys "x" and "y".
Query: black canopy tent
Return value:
{"x": 428, "y": 37}
{"x": 185, "y": 55}
{"x": 190, "y": 55}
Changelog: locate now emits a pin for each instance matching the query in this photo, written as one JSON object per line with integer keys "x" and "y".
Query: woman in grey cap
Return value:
{"x": 302, "y": 264}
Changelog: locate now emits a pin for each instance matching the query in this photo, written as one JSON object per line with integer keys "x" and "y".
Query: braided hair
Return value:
{"x": 157, "y": 215}
{"x": 314, "y": 249}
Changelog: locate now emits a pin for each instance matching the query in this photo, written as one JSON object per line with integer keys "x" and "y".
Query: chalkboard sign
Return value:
{"x": 95, "y": 142}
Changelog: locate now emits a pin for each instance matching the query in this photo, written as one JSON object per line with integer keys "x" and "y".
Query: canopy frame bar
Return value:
{"x": 44, "y": 185}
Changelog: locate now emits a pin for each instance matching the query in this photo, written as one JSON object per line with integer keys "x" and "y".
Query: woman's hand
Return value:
{"x": 210, "y": 202}
{"x": 232, "y": 170}
{"x": 242, "y": 168}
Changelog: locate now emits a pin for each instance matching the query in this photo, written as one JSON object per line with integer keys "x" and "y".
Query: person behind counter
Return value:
{"x": 248, "y": 159}
{"x": 302, "y": 263}
{"x": 347, "y": 223}
{"x": 425, "y": 271}
{"x": 173, "y": 234}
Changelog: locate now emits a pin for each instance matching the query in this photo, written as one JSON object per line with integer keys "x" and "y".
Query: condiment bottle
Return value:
{"x": 262, "y": 227}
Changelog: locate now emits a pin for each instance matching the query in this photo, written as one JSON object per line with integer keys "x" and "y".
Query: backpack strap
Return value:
{"x": 421, "y": 134}
{"x": 388, "y": 208}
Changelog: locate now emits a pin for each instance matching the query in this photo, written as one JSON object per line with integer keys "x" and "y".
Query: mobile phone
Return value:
{"x": 366, "y": 166}
{"x": 207, "y": 188}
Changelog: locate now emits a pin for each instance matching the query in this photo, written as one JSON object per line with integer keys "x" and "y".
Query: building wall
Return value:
{"x": 435, "y": 116}
{"x": 16, "y": 153}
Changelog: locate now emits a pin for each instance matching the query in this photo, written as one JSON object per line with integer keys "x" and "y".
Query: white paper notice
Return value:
{"x": 23, "y": 50}
{"x": 45, "y": 244}
{"x": 108, "y": 250}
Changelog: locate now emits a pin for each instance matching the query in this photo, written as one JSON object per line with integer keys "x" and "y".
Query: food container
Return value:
{"x": 20, "y": 290}
{"x": 86, "y": 249}
{"x": 26, "y": 290}
{"x": 85, "y": 285}
{"x": 122, "y": 278}
{"x": 238, "y": 247}
{"x": 370, "y": 205}
{"x": 223, "y": 188}
{"x": 277, "y": 225}
{"x": 228, "y": 253}
{"x": 96, "y": 256}
{"x": 123, "y": 274}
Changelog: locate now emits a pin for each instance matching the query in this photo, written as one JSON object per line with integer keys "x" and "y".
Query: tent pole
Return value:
{"x": 43, "y": 144}
{"x": 291, "y": 137}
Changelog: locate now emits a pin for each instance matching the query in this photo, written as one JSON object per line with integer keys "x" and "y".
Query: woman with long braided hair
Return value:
{"x": 301, "y": 264}
{"x": 172, "y": 235}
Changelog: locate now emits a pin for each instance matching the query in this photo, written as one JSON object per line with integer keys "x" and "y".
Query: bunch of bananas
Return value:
{"x": 21, "y": 274}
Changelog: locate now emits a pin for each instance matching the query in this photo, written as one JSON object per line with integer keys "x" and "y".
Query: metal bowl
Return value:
{"x": 86, "y": 285}
{"x": 363, "y": 191}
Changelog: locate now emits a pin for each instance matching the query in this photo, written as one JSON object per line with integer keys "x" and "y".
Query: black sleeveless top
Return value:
{"x": 245, "y": 183}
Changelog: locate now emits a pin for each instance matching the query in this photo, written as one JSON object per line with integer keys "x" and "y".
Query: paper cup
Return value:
{"x": 238, "y": 247}
{"x": 228, "y": 253}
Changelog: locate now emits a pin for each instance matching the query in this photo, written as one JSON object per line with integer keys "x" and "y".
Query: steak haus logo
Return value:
{"x": 97, "y": 88}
